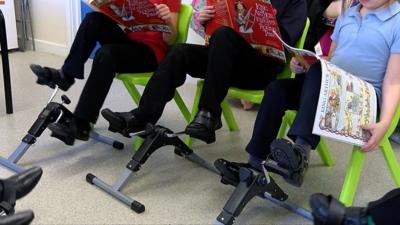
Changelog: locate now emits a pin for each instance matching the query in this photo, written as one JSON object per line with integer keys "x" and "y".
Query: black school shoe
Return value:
{"x": 328, "y": 210}
{"x": 69, "y": 129}
{"x": 203, "y": 126}
{"x": 291, "y": 157}
{"x": 20, "y": 184}
{"x": 123, "y": 123}
{"x": 52, "y": 77}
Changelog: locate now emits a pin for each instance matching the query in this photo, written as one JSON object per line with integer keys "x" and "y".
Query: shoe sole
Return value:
{"x": 283, "y": 153}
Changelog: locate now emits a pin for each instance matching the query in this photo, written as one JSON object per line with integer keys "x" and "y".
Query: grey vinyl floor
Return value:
{"x": 174, "y": 190}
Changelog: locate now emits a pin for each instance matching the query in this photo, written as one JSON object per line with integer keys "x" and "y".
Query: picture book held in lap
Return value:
{"x": 345, "y": 102}
{"x": 134, "y": 15}
{"x": 254, "y": 20}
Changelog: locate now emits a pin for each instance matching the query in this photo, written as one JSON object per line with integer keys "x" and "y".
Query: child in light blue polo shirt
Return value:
{"x": 366, "y": 42}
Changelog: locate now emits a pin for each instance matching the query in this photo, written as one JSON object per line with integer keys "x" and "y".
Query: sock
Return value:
{"x": 255, "y": 162}
{"x": 306, "y": 146}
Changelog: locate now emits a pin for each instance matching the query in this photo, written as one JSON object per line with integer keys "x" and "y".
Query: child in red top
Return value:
{"x": 121, "y": 52}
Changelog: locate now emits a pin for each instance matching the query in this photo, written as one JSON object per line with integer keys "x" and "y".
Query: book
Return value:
{"x": 254, "y": 20}
{"x": 197, "y": 5}
{"x": 134, "y": 15}
{"x": 305, "y": 57}
{"x": 345, "y": 102}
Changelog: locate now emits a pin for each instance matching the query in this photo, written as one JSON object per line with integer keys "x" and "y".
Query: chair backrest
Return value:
{"x": 185, "y": 15}
{"x": 286, "y": 73}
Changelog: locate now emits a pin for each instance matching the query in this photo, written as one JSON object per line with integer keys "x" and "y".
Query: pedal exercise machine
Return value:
{"x": 248, "y": 185}
{"x": 53, "y": 112}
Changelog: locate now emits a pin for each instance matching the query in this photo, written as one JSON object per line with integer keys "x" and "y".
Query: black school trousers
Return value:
{"x": 228, "y": 61}
{"x": 299, "y": 94}
{"x": 118, "y": 54}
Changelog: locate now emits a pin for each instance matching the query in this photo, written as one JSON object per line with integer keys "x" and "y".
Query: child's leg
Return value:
{"x": 304, "y": 121}
{"x": 295, "y": 157}
{"x": 386, "y": 210}
{"x": 280, "y": 95}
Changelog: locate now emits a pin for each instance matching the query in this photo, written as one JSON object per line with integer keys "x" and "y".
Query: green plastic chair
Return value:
{"x": 356, "y": 164}
{"x": 130, "y": 80}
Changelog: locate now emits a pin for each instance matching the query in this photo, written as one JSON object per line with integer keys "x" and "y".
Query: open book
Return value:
{"x": 345, "y": 102}
{"x": 134, "y": 15}
{"x": 254, "y": 20}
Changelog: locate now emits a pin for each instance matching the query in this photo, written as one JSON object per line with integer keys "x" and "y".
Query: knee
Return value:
{"x": 176, "y": 54}
{"x": 93, "y": 18}
{"x": 223, "y": 34}
{"x": 105, "y": 54}
{"x": 274, "y": 90}
{"x": 178, "y": 49}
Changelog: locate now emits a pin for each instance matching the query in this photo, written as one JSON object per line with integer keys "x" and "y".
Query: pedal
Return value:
{"x": 229, "y": 174}
{"x": 291, "y": 177}
{"x": 58, "y": 131}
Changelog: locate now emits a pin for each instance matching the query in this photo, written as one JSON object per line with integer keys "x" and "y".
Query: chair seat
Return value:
{"x": 254, "y": 96}
{"x": 135, "y": 78}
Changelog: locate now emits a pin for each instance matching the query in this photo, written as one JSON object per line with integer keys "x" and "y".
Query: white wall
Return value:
{"x": 11, "y": 28}
{"x": 49, "y": 22}
{"x": 56, "y": 21}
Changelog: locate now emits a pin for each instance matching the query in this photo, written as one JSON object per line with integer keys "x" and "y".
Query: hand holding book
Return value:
{"x": 163, "y": 12}
{"x": 135, "y": 15}
{"x": 206, "y": 14}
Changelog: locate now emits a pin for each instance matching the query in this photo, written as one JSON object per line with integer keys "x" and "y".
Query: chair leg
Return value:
{"x": 133, "y": 91}
{"x": 138, "y": 141}
{"x": 228, "y": 115}
{"x": 283, "y": 128}
{"x": 324, "y": 153}
{"x": 391, "y": 160}
{"x": 182, "y": 107}
{"x": 195, "y": 107}
{"x": 352, "y": 177}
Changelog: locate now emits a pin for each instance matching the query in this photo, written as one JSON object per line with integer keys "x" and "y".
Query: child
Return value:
{"x": 229, "y": 60}
{"x": 121, "y": 51}
{"x": 366, "y": 42}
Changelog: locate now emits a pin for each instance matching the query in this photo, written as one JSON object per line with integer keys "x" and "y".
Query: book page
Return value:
{"x": 345, "y": 103}
{"x": 197, "y": 5}
{"x": 254, "y": 20}
{"x": 305, "y": 57}
{"x": 134, "y": 15}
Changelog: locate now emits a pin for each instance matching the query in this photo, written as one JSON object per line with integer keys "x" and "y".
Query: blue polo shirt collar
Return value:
{"x": 383, "y": 14}
{"x": 388, "y": 12}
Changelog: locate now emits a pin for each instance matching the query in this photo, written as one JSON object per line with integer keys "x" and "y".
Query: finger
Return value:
{"x": 370, "y": 145}
{"x": 164, "y": 14}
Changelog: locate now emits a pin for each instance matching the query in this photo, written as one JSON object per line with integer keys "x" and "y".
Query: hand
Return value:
{"x": 296, "y": 67}
{"x": 163, "y": 12}
{"x": 377, "y": 131}
{"x": 206, "y": 14}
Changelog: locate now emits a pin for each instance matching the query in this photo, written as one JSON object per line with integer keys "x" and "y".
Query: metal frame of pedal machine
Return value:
{"x": 52, "y": 112}
{"x": 250, "y": 184}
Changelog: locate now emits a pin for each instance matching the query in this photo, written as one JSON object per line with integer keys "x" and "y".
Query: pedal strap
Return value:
{"x": 6, "y": 208}
{"x": 336, "y": 212}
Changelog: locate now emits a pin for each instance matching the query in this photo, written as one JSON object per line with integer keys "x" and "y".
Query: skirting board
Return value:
{"x": 49, "y": 47}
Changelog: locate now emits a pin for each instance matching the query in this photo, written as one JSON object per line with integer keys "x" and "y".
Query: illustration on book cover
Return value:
{"x": 346, "y": 104}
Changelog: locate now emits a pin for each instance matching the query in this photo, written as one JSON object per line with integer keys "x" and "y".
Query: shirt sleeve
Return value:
{"x": 395, "y": 47}
{"x": 338, "y": 24}
{"x": 292, "y": 22}
{"x": 173, "y": 5}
